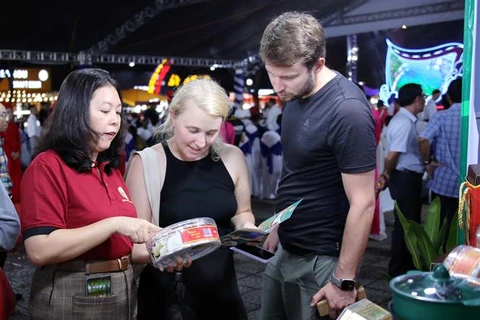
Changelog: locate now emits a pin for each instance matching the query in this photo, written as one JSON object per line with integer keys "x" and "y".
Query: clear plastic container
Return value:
{"x": 192, "y": 239}
{"x": 464, "y": 260}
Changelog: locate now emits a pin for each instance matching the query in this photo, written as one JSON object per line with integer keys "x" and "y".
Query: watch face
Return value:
{"x": 347, "y": 285}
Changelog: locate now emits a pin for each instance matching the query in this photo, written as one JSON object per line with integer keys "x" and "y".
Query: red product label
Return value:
{"x": 199, "y": 233}
{"x": 466, "y": 262}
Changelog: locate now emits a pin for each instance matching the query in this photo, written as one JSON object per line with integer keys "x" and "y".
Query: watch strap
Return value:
{"x": 342, "y": 284}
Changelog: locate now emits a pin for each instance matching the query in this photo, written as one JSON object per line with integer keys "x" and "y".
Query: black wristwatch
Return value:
{"x": 343, "y": 284}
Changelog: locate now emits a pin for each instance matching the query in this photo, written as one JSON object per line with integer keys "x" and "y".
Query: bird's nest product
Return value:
{"x": 189, "y": 239}
{"x": 464, "y": 260}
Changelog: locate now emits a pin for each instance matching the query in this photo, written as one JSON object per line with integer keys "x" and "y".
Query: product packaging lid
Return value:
{"x": 438, "y": 286}
{"x": 189, "y": 239}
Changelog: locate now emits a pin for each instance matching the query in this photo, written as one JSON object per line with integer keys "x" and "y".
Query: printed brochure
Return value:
{"x": 256, "y": 236}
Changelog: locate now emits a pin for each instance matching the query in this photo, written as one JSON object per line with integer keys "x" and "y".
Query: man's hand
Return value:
{"x": 336, "y": 298}
{"x": 431, "y": 167}
{"x": 382, "y": 182}
{"x": 271, "y": 243}
{"x": 15, "y": 155}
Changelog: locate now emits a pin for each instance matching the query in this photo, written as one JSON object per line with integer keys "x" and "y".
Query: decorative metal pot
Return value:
{"x": 435, "y": 295}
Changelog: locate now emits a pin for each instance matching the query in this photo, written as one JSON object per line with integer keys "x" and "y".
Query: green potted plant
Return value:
{"x": 425, "y": 244}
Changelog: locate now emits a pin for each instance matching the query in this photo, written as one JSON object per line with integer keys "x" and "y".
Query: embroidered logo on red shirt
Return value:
{"x": 124, "y": 195}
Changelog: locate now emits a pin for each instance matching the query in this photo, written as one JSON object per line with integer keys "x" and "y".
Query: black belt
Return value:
{"x": 408, "y": 171}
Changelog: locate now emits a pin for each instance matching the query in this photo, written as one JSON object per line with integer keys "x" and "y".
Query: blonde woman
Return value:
{"x": 204, "y": 178}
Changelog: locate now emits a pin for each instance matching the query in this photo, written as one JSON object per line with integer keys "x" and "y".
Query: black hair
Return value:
{"x": 436, "y": 91}
{"x": 445, "y": 103}
{"x": 67, "y": 131}
{"x": 408, "y": 93}
{"x": 455, "y": 90}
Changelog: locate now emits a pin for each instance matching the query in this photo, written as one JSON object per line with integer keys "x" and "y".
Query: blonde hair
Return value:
{"x": 209, "y": 96}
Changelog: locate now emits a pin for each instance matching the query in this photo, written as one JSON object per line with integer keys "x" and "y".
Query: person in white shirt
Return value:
{"x": 403, "y": 171}
{"x": 430, "y": 106}
{"x": 272, "y": 114}
{"x": 33, "y": 128}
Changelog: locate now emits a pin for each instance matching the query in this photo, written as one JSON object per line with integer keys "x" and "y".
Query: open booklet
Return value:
{"x": 256, "y": 236}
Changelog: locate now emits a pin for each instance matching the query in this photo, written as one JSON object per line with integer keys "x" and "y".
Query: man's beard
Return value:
{"x": 305, "y": 91}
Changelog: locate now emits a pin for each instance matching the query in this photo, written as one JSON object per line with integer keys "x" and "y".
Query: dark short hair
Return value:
{"x": 455, "y": 90}
{"x": 67, "y": 131}
{"x": 408, "y": 93}
{"x": 445, "y": 102}
{"x": 436, "y": 91}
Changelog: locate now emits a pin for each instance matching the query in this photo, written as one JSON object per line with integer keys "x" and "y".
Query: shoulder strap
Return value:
{"x": 154, "y": 168}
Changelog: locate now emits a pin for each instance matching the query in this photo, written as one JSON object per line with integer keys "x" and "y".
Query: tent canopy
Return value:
{"x": 218, "y": 29}
{"x": 204, "y": 29}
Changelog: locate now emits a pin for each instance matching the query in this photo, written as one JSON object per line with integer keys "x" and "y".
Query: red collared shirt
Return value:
{"x": 55, "y": 196}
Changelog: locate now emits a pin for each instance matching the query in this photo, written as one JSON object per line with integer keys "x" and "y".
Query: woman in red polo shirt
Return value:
{"x": 78, "y": 222}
